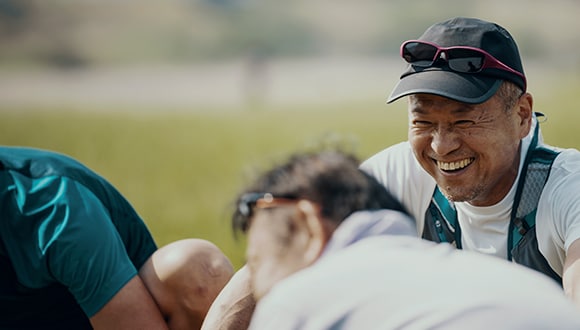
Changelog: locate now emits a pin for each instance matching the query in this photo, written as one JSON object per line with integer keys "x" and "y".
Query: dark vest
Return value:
{"x": 441, "y": 223}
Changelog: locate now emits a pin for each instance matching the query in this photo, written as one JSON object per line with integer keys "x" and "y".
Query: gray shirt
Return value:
{"x": 374, "y": 274}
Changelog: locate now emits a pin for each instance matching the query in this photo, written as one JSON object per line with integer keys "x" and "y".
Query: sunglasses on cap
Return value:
{"x": 251, "y": 201}
{"x": 462, "y": 59}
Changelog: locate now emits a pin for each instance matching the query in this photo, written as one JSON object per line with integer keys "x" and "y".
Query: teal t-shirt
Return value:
{"x": 70, "y": 240}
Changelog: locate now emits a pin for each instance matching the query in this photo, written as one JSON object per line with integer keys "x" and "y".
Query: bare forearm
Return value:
{"x": 571, "y": 276}
{"x": 571, "y": 283}
{"x": 131, "y": 308}
{"x": 234, "y": 306}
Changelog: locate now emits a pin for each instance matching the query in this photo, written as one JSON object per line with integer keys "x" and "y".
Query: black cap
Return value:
{"x": 464, "y": 87}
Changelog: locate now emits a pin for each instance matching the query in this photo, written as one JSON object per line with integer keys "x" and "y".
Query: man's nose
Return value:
{"x": 444, "y": 141}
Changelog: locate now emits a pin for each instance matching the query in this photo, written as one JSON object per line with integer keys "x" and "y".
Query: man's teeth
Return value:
{"x": 452, "y": 166}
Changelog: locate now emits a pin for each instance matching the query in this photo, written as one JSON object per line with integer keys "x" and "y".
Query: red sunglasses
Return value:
{"x": 463, "y": 59}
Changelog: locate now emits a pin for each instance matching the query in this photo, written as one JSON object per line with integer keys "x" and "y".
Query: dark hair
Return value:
{"x": 509, "y": 93}
{"x": 331, "y": 179}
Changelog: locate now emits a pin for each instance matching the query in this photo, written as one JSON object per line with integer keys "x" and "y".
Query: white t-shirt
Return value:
{"x": 485, "y": 229}
{"x": 374, "y": 274}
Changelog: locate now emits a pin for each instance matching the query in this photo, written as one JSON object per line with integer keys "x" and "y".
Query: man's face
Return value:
{"x": 274, "y": 249}
{"x": 471, "y": 150}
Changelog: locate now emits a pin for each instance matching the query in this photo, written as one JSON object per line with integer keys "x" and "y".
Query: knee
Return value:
{"x": 196, "y": 264}
{"x": 204, "y": 263}
{"x": 189, "y": 274}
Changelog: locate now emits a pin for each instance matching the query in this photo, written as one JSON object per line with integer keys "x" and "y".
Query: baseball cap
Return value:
{"x": 472, "y": 88}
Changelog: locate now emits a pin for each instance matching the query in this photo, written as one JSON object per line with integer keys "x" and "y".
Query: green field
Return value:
{"x": 182, "y": 170}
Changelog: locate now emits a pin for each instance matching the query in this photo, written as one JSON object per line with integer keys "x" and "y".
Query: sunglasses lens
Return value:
{"x": 419, "y": 54}
{"x": 465, "y": 60}
{"x": 244, "y": 209}
{"x": 247, "y": 202}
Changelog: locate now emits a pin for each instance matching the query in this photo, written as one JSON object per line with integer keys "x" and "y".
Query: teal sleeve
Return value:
{"x": 64, "y": 235}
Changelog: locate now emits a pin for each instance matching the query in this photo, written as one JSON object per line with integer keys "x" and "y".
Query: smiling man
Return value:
{"x": 475, "y": 171}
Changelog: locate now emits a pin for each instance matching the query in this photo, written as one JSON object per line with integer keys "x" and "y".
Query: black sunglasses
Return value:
{"x": 250, "y": 201}
{"x": 463, "y": 59}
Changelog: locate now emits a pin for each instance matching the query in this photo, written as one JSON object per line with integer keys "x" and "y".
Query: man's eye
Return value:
{"x": 421, "y": 124}
{"x": 464, "y": 123}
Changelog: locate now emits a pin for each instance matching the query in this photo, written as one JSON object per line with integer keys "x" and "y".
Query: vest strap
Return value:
{"x": 449, "y": 215}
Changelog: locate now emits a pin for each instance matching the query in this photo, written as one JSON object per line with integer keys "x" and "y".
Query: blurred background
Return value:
{"x": 184, "y": 53}
{"x": 178, "y": 102}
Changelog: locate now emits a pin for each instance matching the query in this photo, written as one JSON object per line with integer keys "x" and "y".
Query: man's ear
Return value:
{"x": 317, "y": 230}
{"x": 524, "y": 112}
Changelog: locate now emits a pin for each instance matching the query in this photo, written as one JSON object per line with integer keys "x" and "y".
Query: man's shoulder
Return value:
{"x": 396, "y": 155}
{"x": 394, "y": 149}
{"x": 396, "y": 162}
{"x": 563, "y": 179}
{"x": 567, "y": 158}
{"x": 37, "y": 163}
{"x": 565, "y": 170}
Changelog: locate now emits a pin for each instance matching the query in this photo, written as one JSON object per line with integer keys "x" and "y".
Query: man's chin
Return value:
{"x": 455, "y": 196}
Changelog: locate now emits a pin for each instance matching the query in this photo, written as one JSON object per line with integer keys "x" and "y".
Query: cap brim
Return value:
{"x": 466, "y": 88}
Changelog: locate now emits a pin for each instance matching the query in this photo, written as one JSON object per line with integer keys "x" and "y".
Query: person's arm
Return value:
{"x": 131, "y": 308}
{"x": 571, "y": 275}
{"x": 234, "y": 306}
{"x": 87, "y": 255}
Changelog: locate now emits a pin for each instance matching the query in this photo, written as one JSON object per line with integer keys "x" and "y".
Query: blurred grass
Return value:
{"x": 181, "y": 170}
